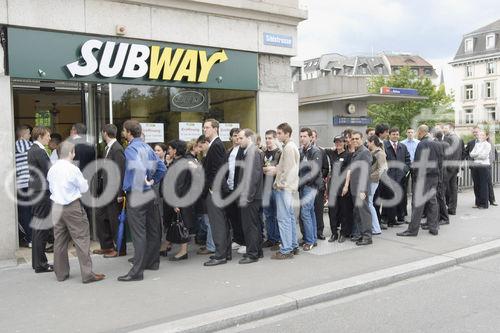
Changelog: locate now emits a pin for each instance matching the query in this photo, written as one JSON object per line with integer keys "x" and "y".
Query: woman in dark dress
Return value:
{"x": 177, "y": 152}
{"x": 167, "y": 213}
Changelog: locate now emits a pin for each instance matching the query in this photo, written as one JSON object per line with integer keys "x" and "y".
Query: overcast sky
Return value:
{"x": 432, "y": 29}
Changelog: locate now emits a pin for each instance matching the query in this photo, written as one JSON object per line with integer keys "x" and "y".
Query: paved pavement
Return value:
{"x": 459, "y": 299}
{"x": 37, "y": 302}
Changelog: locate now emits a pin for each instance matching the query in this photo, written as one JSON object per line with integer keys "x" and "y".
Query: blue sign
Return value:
{"x": 278, "y": 40}
{"x": 398, "y": 91}
{"x": 352, "y": 121}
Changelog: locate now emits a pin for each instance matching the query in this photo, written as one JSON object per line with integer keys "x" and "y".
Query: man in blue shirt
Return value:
{"x": 410, "y": 142}
{"x": 143, "y": 169}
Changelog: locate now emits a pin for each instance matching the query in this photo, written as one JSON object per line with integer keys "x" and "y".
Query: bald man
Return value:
{"x": 427, "y": 163}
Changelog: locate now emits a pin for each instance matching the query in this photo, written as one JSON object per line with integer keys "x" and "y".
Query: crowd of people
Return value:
{"x": 240, "y": 199}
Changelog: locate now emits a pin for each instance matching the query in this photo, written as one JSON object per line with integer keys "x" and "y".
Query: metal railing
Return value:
{"x": 465, "y": 178}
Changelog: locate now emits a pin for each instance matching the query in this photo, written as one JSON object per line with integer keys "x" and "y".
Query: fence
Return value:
{"x": 465, "y": 178}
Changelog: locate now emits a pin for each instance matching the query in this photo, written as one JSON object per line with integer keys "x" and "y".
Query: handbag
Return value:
{"x": 177, "y": 232}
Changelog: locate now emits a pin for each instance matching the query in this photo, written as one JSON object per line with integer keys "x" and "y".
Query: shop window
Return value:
{"x": 171, "y": 106}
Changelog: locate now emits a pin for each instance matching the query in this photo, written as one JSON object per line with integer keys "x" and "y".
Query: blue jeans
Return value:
{"x": 210, "y": 245}
{"x": 307, "y": 214}
{"x": 286, "y": 221}
{"x": 273, "y": 232}
{"x": 375, "y": 222}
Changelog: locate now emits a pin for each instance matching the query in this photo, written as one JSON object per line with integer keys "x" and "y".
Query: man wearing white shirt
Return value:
{"x": 66, "y": 184}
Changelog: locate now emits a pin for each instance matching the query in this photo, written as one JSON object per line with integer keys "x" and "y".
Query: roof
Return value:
{"x": 479, "y": 43}
{"x": 401, "y": 60}
{"x": 366, "y": 97}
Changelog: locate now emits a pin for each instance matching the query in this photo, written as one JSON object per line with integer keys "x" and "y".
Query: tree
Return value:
{"x": 436, "y": 108}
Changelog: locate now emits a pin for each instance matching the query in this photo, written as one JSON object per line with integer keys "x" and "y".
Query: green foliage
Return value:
{"x": 437, "y": 108}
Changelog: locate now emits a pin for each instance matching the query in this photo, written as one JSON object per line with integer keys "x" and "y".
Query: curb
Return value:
{"x": 272, "y": 306}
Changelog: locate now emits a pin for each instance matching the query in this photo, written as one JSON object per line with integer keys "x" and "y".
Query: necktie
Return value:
{"x": 395, "y": 146}
{"x": 106, "y": 151}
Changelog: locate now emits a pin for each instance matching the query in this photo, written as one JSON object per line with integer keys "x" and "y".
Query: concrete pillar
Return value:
{"x": 8, "y": 221}
{"x": 276, "y": 101}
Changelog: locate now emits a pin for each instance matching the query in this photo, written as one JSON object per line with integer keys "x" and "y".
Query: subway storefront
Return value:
{"x": 60, "y": 78}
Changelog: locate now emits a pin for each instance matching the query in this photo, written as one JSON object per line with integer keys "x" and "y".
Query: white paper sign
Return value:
{"x": 225, "y": 128}
{"x": 190, "y": 131}
{"x": 153, "y": 132}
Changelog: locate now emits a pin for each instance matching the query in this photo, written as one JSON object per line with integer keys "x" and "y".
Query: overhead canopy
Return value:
{"x": 366, "y": 97}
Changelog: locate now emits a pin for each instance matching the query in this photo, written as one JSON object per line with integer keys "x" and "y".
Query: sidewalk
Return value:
{"x": 37, "y": 302}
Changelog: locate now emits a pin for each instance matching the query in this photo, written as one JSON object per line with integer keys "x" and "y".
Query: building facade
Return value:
{"x": 475, "y": 66}
{"x": 335, "y": 64}
{"x": 169, "y": 64}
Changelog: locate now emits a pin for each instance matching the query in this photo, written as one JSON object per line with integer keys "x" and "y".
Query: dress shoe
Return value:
{"x": 131, "y": 260}
{"x": 333, "y": 238}
{"x": 175, "y": 258}
{"x": 46, "y": 269}
{"x": 425, "y": 226}
{"x": 96, "y": 278}
{"x": 433, "y": 232}
{"x": 215, "y": 262}
{"x": 307, "y": 247}
{"x": 376, "y": 233}
{"x": 383, "y": 226}
{"x": 111, "y": 254}
{"x": 128, "y": 278}
{"x": 494, "y": 203}
{"x": 204, "y": 250}
{"x": 247, "y": 260}
{"x": 261, "y": 255}
{"x": 321, "y": 237}
{"x": 281, "y": 256}
{"x": 482, "y": 207}
{"x": 443, "y": 222}
{"x": 407, "y": 233}
{"x": 364, "y": 241}
{"x": 394, "y": 223}
{"x": 228, "y": 258}
{"x": 342, "y": 239}
{"x": 452, "y": 212}
{"x": 356, "y": 238}
{"x": 102, "y": 251}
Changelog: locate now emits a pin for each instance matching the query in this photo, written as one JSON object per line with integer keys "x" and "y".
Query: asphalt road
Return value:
{"x": 461, "y": 299}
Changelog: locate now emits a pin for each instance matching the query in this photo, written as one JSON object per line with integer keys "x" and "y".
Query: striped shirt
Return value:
{"x": 22, "y": 170}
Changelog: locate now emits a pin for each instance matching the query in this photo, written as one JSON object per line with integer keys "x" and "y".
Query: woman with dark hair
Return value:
{"x": 167, "y": 214}
{"x": 176, "y": 151}
{"x": 378, "y": 167}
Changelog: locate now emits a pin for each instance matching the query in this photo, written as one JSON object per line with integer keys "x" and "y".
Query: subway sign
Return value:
{"x": 137, "y": 60}
{"x": 62, "y": 56}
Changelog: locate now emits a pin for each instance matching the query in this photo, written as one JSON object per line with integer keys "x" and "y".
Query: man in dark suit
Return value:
{"x": 250, "y": 200}
{"x": 107, "y": 215}
{"x": 39, "y": 164}
{"x": 84, "y": 151}
{"x": 219, "y": 224}
{"x": 452, "y": 160}
{"x": 358, "y": 182}
{"x": 427, "y": 163}
{"x": 232, "y": 210}
{"x": 443, "y": 217}
{"x": 395, "y": 152}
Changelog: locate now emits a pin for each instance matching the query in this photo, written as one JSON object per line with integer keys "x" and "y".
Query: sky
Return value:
{"x": 431, "y": 29}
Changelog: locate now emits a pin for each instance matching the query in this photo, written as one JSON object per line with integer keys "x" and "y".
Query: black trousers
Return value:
{"x": 145, "y": 226}
{"x": 340, "y": 214}
{"x": 24, "y": 214}
{"x": 397, "y": 211}
{"x": 233, "y": 213}
{"x": 441, "y": 201}
{"x": 430, "y": 207}
{"x": 251, "y": 222}
{"x": 362, "y": 216}
{"x": 107, "y": 226}
{"x": 221, "y": 229}
{"x": 42, "y": 229}
{"x": 491, "y": 192}
{"x": 318, "y": 211}
{"x": 481, "y": 189}
{"x": 451, "y": 184}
